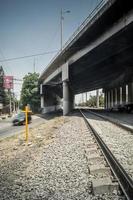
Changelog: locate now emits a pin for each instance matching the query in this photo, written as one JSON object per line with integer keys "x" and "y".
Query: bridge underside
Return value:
{"x": 101, "y": 57}
{"x": 107, "y": 66}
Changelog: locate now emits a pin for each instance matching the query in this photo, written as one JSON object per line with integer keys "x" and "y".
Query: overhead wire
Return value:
{"x": 39, "y": 54}
{"x": 5, "y": 65}
{"x": 52, "y": 41}
{"x": 28, "y": 56}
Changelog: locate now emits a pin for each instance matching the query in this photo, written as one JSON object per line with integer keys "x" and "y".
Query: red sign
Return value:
{"x": 8, "y": 82}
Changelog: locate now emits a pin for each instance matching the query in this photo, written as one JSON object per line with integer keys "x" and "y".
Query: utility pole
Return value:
{"x": 13, "y": 96}
{"x": 13, "y": 102}
{"x": 34, "y": 66}
{"x": 61, "y": 26}
{"x": 10, "y": 102}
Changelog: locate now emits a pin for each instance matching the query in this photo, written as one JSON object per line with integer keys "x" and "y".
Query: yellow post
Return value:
{"x": 26, "y": 111}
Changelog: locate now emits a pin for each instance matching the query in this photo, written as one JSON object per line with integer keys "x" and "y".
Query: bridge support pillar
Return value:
{"x": 118, "y": 96}
{"x": 42, "y": 101}
{"x": 124, "y": 94}
{"x": 109, "y": 100}
{"x": 116, "y": 99}
{"x": 130, "y": 92}
{"x": 50, "y": 102}
{"x": 105, "y": 100}
{"x": 121, "y": 91}
{"x": 68, "y": 98}
{"x": 112, "y": 98}
{"x": 97, "y": 98}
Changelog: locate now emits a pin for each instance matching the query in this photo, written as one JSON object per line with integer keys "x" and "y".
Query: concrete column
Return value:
{"x": 124, "y": 94}
{"x": 97, "y": 98}
{"x": 42, "y": 101}
{"x": 121, "y": 95}
{"x": 130, "y": 92}
{"x": 108, "y": 99}
{"x": 105, "y": 100}
{"x": 118, "y": 96}
{"x": 41, "y": 88}
{"x": 68, "y": 98}
{"x": 86, "y": 97}
{"x": 111, "y": 98}
{"x": 115, "y": 96}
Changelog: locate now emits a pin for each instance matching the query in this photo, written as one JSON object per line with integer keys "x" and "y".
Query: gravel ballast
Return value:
{"x": 117, "y": 139}
{"x": 53, "y": 165}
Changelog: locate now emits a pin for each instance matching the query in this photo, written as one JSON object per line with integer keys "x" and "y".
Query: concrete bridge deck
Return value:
{"x": 99, "y": 55}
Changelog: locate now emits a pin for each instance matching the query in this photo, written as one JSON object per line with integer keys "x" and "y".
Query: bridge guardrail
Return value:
{"x": 79, "y": 29}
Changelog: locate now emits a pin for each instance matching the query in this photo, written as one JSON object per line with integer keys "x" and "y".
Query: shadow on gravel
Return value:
{"x": 52, "y": 115}
{"x": 122, "y": 117}
{"x": 87, "y": 114}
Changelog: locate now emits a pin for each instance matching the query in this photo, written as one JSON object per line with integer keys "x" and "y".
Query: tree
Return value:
{"x": 30, "y": 92}
{"x": 92, "y": 101}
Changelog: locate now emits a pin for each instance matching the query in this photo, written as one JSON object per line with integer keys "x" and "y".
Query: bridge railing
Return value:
{"x": 79, "y": 29}
{"x": 85, "y": 22}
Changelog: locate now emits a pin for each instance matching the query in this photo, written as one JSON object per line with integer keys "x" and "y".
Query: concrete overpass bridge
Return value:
{"x": 98, "y": 55}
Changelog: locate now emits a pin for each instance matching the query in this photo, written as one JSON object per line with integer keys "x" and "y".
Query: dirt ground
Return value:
{"x": 18, "y": 158}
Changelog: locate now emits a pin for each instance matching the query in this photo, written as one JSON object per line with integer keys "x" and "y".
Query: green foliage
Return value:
{"x": 101, "y": 100}
{"x": 6, "y": 98}
{"x": 92, "y": 101}
{"x": 30, "y": 92}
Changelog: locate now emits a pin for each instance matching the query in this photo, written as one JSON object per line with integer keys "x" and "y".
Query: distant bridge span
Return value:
{"x": 98, "y": 55}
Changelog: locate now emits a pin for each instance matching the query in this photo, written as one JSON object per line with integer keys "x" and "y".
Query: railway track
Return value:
{"x": 113, "y": 121}
{"x": 124, "y": 180}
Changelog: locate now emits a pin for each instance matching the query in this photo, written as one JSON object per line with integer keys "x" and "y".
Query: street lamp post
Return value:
{"x": 61, "y": 25}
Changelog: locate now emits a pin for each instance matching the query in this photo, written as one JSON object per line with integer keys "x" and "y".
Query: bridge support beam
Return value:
{"x": 42, "y": 101}
{"x": 97, "y": 98}
{"x": 116, "y": 99}
{"x": 124, "y": 94}
{"x": 118, "y": 96}
{"x": 130, "y": 92}
{"x": 68, "y": 98}
{"x": 109, "y": 102}
{"x": 112, "y": 98}
{"x": 105, "y": 100}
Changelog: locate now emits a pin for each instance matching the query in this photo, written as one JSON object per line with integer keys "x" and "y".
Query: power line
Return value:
{"x": 28, "y": 56}
{"x": 4, "y": 66}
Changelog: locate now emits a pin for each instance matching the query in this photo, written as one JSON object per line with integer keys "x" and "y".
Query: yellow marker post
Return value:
{"x": 26, "y": 111}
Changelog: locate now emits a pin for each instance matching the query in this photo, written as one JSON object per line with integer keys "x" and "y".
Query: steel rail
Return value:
{"x": 125, "y": 181}
{"x": 111, "y": 120}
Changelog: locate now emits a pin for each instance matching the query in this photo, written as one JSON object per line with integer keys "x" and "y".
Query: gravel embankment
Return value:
{"x": 118, "y": 140}
{"x": 52, "y": 167}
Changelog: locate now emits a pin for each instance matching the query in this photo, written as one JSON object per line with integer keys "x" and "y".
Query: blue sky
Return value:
{"x": 33, "y": 26}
